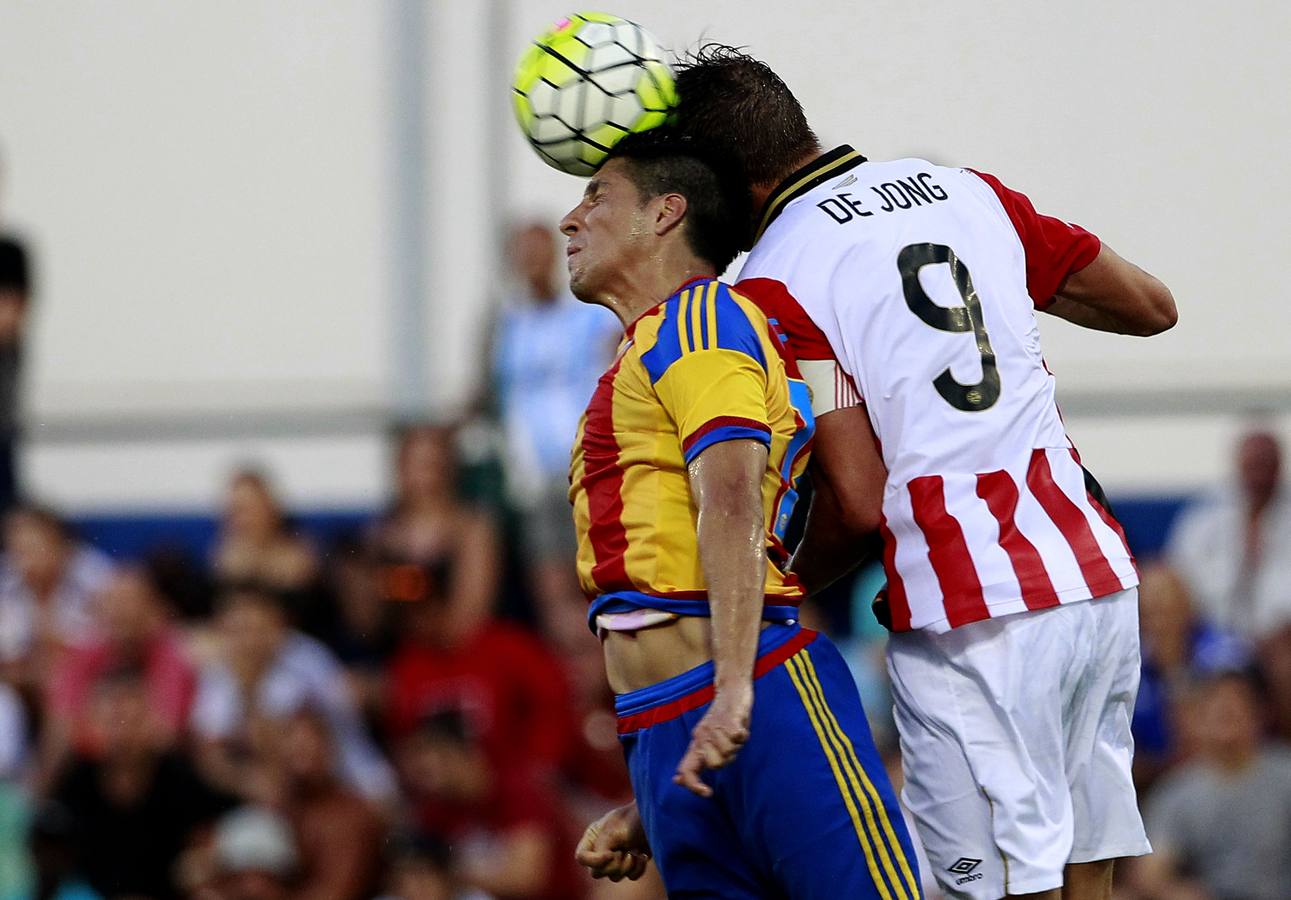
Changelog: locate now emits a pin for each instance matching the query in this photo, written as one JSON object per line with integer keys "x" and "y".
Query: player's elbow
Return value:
{"x": 1160, "y": 312}
{"x": 863, "y": 522}
{"x": 1154, "y": 308}
{"x": 859, "y": 513}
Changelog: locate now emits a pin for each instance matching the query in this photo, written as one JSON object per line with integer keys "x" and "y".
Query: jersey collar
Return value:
{"x": 694, "y": 279}
{"x": 835, "y": 162}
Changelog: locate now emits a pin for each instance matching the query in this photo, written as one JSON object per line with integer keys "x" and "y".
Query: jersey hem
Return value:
{"x": 775, "y": 608}
{"x": 1017, "y": 604}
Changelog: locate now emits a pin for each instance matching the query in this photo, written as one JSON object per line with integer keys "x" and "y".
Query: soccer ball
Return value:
{"x": 585, "y": 84}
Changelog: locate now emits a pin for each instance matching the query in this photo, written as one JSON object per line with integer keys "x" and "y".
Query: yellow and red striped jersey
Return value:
{"x": 702, "y": 367}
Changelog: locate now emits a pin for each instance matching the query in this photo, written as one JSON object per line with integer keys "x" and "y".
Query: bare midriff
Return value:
{"x": 638, "y": 659}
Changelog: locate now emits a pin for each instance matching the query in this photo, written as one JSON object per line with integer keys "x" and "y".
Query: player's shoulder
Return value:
{"x": 703, "y": 315}
{"x": 700, "y": 300}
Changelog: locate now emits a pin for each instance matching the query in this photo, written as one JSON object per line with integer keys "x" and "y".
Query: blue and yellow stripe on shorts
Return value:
{"x": 891, "y": 870}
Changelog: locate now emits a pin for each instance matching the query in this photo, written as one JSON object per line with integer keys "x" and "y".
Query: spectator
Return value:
{"x": 15, "y": 301}
{"x": 548, "y": 351}
{"x": 133, "y": 629}
{"x": 13, "y": 736}
{"x": 505, "y": 676}
{"x": 256, "y": 544}
{"x": 14, "y": 794}
{"x": 364, "y": 637}
{"x": 48, "y": 581}
{"x": 137, "y": 805}
{"x": 508, "y": 836}
{"x": 337, "y": 832}
{"x": 419, "y": 870}
{"x": 1179, "y": 648}
{"x": 1233, "y": 547}
{"x": 449, "y": 545}
{"x": 269, "y": 671}
{"x": 1221, "y": 826}
{"x": 55, "y": 840}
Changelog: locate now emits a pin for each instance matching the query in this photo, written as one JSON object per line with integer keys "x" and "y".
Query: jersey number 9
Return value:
{"x": 912, "y": 258}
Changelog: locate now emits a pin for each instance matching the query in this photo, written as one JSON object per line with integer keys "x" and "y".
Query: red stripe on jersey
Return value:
{"x": 806, "y": 341}
{"x": 898, "y": 602}
{"x": 1094, "y": 566}
{"x": 1001, "y": 496}
{"x": 1104, "y": 513}
{"x": 1053, "y": 248}
{"x": 603, "y": 481}
{"x": 961, "y": 588}
{"x": 665, "y": 712}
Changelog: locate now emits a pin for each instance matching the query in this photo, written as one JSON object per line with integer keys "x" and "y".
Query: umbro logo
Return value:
{"x": 963, "y": 867}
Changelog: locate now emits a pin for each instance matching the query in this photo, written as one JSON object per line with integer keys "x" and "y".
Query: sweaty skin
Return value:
{"x": 725, "y": 483}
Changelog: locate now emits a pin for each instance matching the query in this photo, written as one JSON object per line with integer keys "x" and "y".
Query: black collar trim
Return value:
{"x": 824, "y": 167}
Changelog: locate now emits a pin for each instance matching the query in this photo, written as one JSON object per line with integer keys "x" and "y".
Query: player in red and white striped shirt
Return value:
{"x": 908, "y": 291}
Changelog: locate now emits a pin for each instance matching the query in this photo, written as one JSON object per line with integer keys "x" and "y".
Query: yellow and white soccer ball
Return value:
{"x": 586, "y": 83}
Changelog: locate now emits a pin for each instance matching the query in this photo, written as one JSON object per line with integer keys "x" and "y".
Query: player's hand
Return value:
{"x": 615, "y": 846}
{"x": 717, "y": 738}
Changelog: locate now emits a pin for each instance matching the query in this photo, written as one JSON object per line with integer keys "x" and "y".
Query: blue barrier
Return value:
{"x": 134, "y": 535}
{"x": 1147, "y": 522}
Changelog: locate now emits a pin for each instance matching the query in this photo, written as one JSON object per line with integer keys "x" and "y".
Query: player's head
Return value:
{"x": 1233, "y": 712}
{"x": 739, "y": 106}
{"x": 1259, "y": 465}
{"x": 658, "y": 201}
{"x": 445, "y": 758}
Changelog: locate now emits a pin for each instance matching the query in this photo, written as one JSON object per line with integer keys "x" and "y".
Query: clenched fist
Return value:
{"x": 615, "y": 846}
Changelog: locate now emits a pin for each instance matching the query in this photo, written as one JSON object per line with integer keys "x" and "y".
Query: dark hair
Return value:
{"x": 15, "y": 268}
{"x": 738, "y": 105}
{"x": 1249, "y": 677}
{"x": 448, "y": 724}
{"x": 662, "y": 161}
{"x": 420, "y": 847}
{"x": 122, "y": 675}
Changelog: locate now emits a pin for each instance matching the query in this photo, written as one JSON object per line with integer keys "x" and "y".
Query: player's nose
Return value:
{"x": 569, "y": 225}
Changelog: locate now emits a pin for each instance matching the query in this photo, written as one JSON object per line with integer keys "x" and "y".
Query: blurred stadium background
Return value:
{"x": 268, "y": 349}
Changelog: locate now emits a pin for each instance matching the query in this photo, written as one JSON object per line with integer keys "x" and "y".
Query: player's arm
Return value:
{"x": 847, "y": 471}
{"x": 1113, "y": 294}
{"x": 848, "y": 476}
{"x": 725, "y": 482}
{"x": 1073, "y": 275}
{"x": 715, "y": 390}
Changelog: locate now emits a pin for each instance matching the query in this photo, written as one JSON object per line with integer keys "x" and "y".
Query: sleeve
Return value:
{"x": 709, "y": 371}
{"x": 808, "y": 352}
{"x": 1054, "y": 249}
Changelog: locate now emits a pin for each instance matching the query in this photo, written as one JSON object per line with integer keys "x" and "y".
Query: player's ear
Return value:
{"x": 670, "y": 209}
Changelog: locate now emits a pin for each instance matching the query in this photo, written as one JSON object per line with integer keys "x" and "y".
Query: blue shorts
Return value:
{"x": 805, "y": 810}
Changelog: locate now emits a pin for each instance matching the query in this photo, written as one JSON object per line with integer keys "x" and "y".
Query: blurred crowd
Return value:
{"x": 417, "y": 709}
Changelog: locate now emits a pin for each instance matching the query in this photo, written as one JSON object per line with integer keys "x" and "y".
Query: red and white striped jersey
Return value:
{"x": 924, "y": 280}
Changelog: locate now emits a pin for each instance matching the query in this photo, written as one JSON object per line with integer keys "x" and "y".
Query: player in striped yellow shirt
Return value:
{"x": 752, "y": 765}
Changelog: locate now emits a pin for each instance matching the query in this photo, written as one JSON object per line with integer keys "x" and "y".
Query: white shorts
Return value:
{"x": 1015, "y": 735}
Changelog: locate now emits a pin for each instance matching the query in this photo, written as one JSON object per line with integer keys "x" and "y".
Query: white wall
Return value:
{"x": 1157, "y": 126}
{"x": 210, "y": 189}
{"x": 204, "y": 186}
